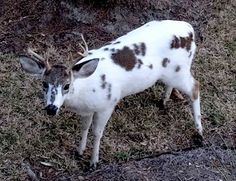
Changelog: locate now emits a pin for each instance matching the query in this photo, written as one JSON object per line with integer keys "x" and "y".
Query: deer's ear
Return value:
{"x": 31, "y": 65}
{"x": 85, "y": 69}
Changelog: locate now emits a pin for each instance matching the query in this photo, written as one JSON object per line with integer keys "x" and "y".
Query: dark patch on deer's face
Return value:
{"x": 165, "y": 61}
{"x": 105, "y": 49}
{"x": 56, "y": 82}
{"x": 183, "y": 42}
{"x": 53, "y": 94}
{"x": 58, "y": 74}
{"x": 124, "y": 58}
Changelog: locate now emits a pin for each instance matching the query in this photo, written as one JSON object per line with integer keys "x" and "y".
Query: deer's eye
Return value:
{"x": 66, "y": 87}
{"x": 45, "y": 85}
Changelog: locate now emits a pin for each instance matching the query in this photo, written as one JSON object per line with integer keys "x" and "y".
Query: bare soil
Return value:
{"x": 141, "y": 141}
{"x": 209, "y": 163}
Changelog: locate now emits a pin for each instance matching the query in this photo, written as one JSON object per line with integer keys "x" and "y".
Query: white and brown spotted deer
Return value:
{"x": 158, "y": 50}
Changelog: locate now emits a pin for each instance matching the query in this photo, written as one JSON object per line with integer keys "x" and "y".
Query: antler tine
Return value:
{"x": 84, "y": 48}
{"x": 31, "y": 52}
{"x": 48, "y": 66}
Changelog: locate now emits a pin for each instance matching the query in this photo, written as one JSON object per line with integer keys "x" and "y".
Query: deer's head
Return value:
{"x": 56, "y": 79}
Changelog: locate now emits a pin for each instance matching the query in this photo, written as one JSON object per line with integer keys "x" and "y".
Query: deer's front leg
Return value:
{"x": 85, "y": 125}
{"x": 99, "y": 122}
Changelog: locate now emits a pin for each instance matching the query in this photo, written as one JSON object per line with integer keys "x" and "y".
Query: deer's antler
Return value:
{"x": 39, "y": 57}
{"x": 84, "y": 48}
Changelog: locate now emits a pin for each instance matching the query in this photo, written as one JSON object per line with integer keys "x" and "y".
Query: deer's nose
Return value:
{"x": 51, "y": 109}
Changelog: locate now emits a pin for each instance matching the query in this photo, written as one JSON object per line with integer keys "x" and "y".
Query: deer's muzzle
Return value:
{"x": 51, "y": 109}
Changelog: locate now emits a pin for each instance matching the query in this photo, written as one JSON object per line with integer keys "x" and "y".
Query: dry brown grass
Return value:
{"x": 137, "y": 127}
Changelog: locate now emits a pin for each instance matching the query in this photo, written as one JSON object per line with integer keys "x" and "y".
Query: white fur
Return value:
{"x": 96, "y": 108}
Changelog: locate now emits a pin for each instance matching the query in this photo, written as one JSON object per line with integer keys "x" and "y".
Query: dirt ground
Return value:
{"x": 199, "y": 164}
{"x": 141, "y": 142}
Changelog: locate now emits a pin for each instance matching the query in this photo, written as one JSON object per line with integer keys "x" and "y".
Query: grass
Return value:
{"x": 137, "y": 127}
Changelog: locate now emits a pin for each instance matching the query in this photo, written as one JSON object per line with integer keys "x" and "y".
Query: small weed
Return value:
{"x": 122, "y": 155}
{"x": 216, "y": 117}
{"x": 8, "y": 139}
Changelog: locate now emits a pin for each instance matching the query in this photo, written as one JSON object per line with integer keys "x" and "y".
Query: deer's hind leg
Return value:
{"x": 187, "y": 84}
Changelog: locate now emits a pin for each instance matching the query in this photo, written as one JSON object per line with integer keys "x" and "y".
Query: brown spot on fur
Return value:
{"x": 108, "y": 43}
{"x": 195, "y": 90}
{"x": 136, "y": 49}
{"x": 109, "y": 88}
{"x": 183, "y": 42}
{"x": 116, "y": 42}
{"x": 150, "y": 66}
{"x": 190, "y": 54}
{"x": 90, "y": 53}
{"x": 177, "y": 69}
{"x": 109, "y": 92}
{"x": 189, "y": 40}
{"x": 140, "y": 61}
{"x": 103, "y": 77}
{"x": 125, "y": 58}
{"x": 175, "y": 42}
{"x": 94, "y": 90}
{"x": 165, "y": 61}
{"x": 104, "y": 85}
{"x": 105, "y": 49}
{"x": 113, "y": 49}
{"x": 143, "y": 49}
